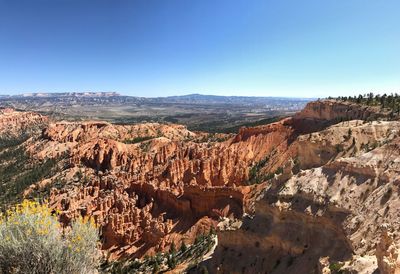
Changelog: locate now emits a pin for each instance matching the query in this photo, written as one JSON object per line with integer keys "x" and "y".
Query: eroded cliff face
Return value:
{"x": 331, "y": 111}
{"x": 85, "y": 131}
{"x": 364, "y": 189}
{"x": 345, "y": 139}
{"x": 339, "y": 212}
{"x": 149, "y": 194}
{"x": 387, "y": 253}
{"x": 13, "y": 123}
{"x": 279, "y": 241}
{"x": 326, "y": 179}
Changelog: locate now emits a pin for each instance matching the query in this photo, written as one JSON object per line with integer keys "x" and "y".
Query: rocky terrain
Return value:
{"x": 314, "y": 193}
{"x": 13, "y": 123}
{"x": 338, "y": 214}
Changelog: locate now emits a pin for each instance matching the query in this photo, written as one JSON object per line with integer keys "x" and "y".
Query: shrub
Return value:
{"x": 172, "y": 262}
{"x": 203, "y": 270}
{"x": 339, "y": 148}
{"x": 336, "y": 267}
{"x": 32, "y": 241}
{"x": 387, "y": 195}
{"x": 172, "y": 249}
{"x": 183, "y": 247}
{"x": 279, "y": 170}
{"x": 349, "y": 132}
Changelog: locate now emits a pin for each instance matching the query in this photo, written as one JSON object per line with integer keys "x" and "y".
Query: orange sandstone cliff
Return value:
{"x": 317, "y": 186}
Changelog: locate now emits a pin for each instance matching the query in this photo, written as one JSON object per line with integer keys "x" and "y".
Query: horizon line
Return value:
{"x": 31, "y": 94}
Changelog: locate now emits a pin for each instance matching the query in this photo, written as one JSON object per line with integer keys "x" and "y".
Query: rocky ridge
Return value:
{"x": 337, "y": 214}
{"x": 13, "y": 123}
{"x": 156, "y": 191}
{"x": 324, "y": 179}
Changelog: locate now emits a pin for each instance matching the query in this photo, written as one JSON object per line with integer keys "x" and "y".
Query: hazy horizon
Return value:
{"x": 307, "y": 49}
{"x": 181, "y": 95}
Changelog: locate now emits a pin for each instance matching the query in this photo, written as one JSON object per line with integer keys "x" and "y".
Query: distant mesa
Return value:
{"x": 68, "y": 94}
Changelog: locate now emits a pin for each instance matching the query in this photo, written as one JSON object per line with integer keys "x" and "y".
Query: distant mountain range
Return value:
{"x": 62, "y": 94}
{"x": 219, "y": 99}
{"x": 199, "y": 112}
{"x": 197, "y": 99}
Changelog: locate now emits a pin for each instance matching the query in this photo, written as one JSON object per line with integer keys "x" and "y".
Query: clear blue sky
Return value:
{"x": 308, "y": 48}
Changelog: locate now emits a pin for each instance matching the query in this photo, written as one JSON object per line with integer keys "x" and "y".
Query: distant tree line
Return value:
{"x": 385, "y": 101}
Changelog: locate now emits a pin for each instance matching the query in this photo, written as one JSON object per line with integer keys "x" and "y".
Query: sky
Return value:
{"x": 308, "y": 48}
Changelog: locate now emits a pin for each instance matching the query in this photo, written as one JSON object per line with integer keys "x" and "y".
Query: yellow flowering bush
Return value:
{"x": 32, "y": 241}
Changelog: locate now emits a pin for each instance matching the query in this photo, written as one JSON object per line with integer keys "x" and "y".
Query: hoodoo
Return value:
{"x": 310, "y": 192}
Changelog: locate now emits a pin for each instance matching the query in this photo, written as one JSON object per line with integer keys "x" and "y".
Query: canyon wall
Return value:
{"x": 325, "y": 181}
{"x": 13, "y": 123}
{"x": 145, "y": 192}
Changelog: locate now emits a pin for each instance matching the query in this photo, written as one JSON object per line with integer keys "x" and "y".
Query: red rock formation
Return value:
{"x": 15, "y": 122}
{"x": 149, "y": 194}
{"x": 332, "y": 110}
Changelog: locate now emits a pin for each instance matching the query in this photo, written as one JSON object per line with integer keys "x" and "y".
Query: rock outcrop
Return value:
{"x": 13, "y": 123}
{"x": 332, "y": 111}
{"x": 347, "y": 183}
{"x": 387, "y": 253}
{"x": 316, "y": 186}
{"x": 144, "y": 192}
